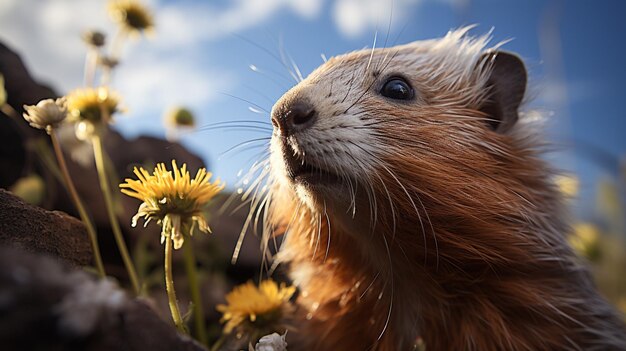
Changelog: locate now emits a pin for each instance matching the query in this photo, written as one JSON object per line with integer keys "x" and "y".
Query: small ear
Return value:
{"x": 507, "y": 85}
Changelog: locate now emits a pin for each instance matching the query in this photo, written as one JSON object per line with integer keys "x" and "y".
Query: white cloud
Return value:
{"x": 555, "y": 93}
{"x": 152, "y": 84}
{"x": 357, "y": 17}
{"x": 182, "y": 24}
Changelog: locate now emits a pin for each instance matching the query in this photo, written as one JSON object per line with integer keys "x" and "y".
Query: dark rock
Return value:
{"x": 12, "y": 152}
{"x": 20, "y": 86}
{"x": 21, "y": 89}
{"x": 37, "y": 230}
{"x": 46, "y": 305}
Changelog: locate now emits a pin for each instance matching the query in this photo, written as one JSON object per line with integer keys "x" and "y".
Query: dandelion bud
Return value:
{"x": 132, "y": 15}
{"x": 272, "y": 342}
{"x": 47, "y": 114}
{"x": 94, "y": 38}
{"x": 180, "y": 117}
{"x": 109, "y": 62}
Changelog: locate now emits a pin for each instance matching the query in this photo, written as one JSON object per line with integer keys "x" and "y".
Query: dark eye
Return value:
{"x": 398, "y": 89}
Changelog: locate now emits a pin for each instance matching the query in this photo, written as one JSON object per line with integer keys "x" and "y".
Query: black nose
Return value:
{"x": 294, "y": 117}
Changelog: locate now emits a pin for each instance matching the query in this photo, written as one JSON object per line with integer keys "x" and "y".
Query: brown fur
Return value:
{"x": 457, "y": 235}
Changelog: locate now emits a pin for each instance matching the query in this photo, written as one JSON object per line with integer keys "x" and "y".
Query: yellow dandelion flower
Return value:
{"x": 31, "y": 189}
{"x": 568, "y": 184}
{"x": 173, "y": 199}
{"x": 586, "y": 240}
{"x": 93, "y": 105}
{"x": 256, "y": 308}
{"x": 132, "y": 15}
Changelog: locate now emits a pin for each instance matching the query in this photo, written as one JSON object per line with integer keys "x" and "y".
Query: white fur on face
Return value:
{"x": 339, "y": 141}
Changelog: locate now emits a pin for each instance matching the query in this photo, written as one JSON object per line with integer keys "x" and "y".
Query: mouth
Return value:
{"x": 301, "y": 171}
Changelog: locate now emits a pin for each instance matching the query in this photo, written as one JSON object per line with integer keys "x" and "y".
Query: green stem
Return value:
{"x": 10, "y": 111}
{"x": 169, "y": 286}
{"x": 41, "y": 149}
{"x": 219, "y": 343}
{"x": 93, "y": 236}
{"x": 194, "y": 287}
{"x": 108, "y": 200}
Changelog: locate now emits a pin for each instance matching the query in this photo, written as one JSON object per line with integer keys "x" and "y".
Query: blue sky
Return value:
{"x": 574, "y": 51}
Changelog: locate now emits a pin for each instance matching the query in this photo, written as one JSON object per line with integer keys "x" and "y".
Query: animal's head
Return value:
{"x": 422, "y": 129}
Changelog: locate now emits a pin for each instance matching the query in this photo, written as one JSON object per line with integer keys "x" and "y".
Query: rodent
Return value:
{"x": 415, "y": 207}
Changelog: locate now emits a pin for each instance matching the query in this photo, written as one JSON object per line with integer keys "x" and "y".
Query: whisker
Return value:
{"x": 261, "y": 94}
{"x": 255, "y": 110}
{"x": 369, "y": 61}
{"x": 248, "y": 101}
{"x": 271, "y": 54}
{"x": 295, "y": 66}
{"x": 389, "y": 25}
{"x": 265, "y": 245}
{"x": 319, "y": 236}
{"x": 284, "y": 56}
{"x": 276, "y": 82}
{"x": 266, "y": 123}
{"x": 387, "y": 35}
{"x": 349, "y": 88}
{"x": 243, "y": 143}
{"x": 244, "y": 228}
{"x": 236, "y": 128}
{"x": 237, "y": 194}
{"x": 365, "y": 91}
{"x": 391, "y": 296}
{"x": 369, "y": 286}
{"x": 253, "y": 206}
{"x": 328, "y": 229}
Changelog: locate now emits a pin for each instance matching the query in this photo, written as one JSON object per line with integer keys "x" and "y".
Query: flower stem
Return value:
{"x": 10, "y": 111}
{"x": 218, "y": 344}
{"x": 169, "y": 286}
{"x": 116, "y": 45}
{"x": 115, "y": 225}
{"x": 93, "y": 236}
{"x": 194, "y": 287}
{"x": 91, "y": 64}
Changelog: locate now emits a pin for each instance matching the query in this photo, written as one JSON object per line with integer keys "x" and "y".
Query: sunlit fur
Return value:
{"x": 441, "y": 229}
